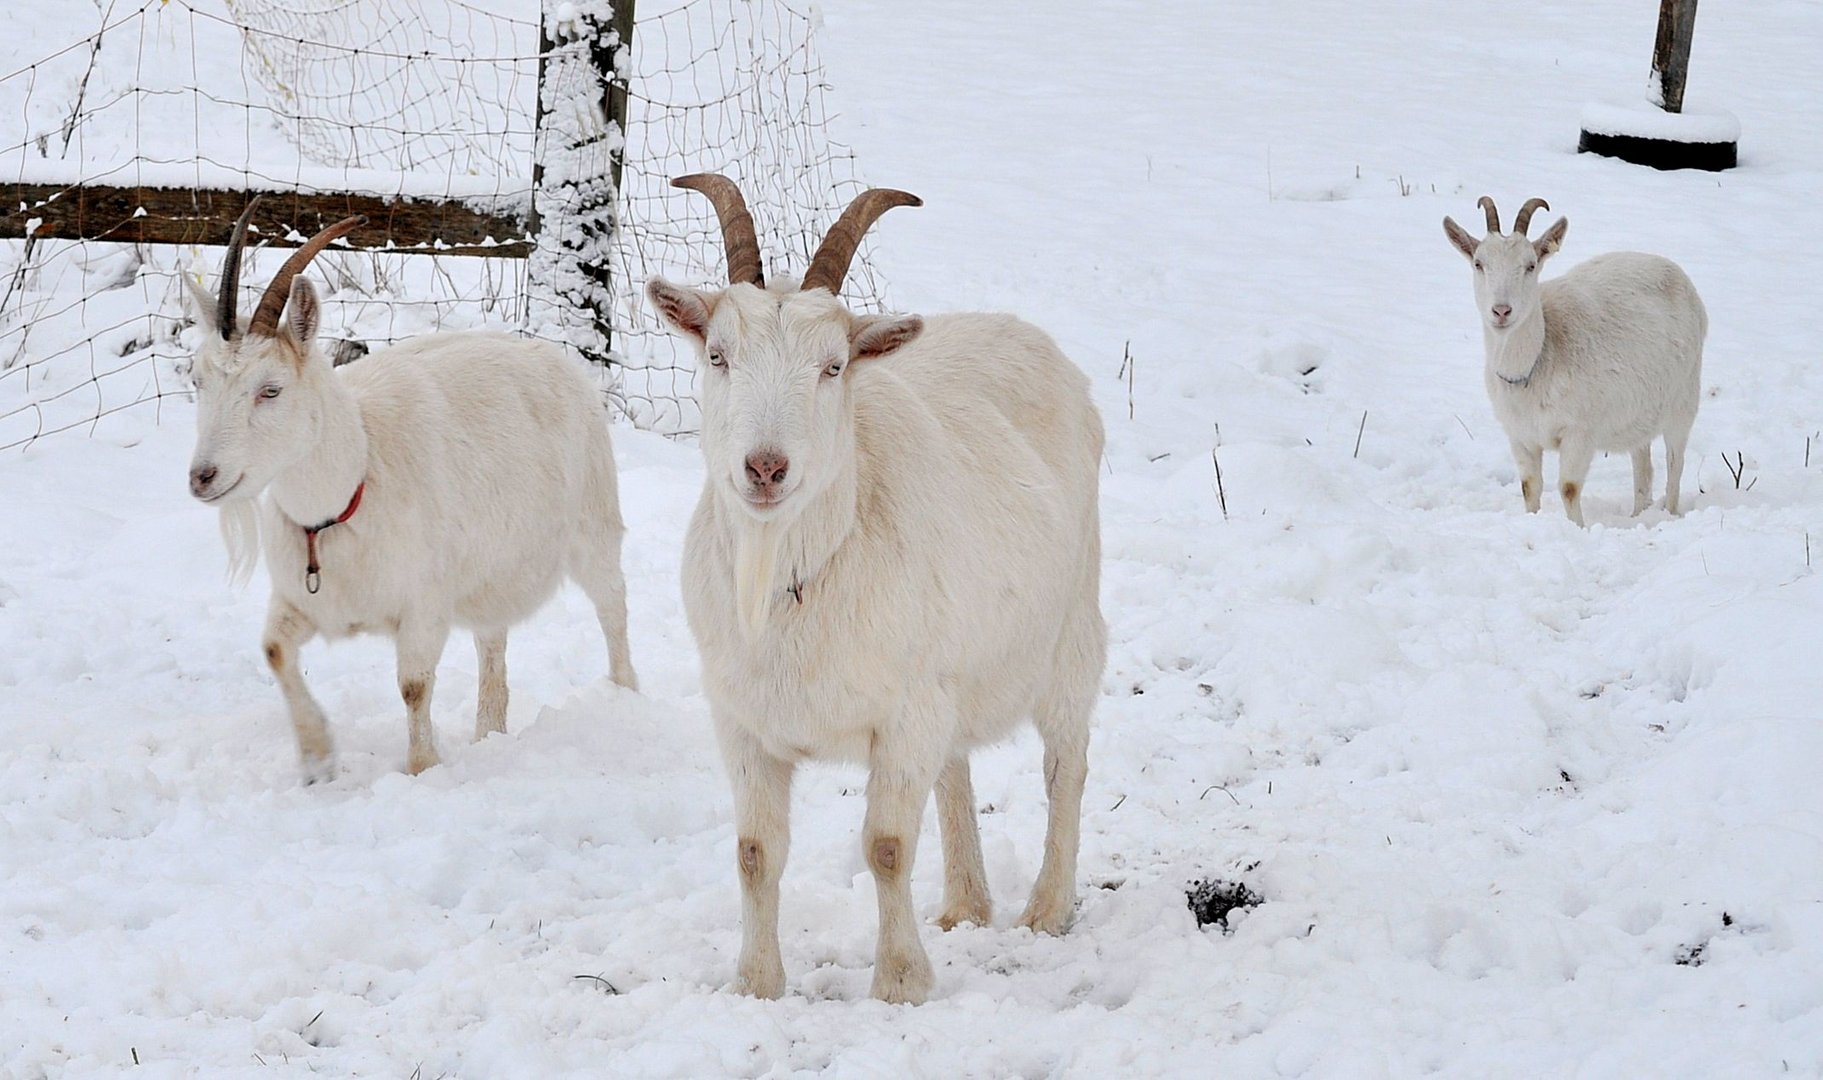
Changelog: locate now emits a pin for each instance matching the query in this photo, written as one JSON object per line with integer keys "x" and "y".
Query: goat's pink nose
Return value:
{"x": 1501, "y": 311}
{"x": 766, "y": 468}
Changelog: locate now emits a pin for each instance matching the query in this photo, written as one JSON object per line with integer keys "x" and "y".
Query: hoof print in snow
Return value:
{"x": 1695, "y": 955}
{"x": 1212, "y": 900}
{"x": 1295, "y": 360}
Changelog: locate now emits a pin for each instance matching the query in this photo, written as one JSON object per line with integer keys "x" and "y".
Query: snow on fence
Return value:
{"x": 475, "y": 138}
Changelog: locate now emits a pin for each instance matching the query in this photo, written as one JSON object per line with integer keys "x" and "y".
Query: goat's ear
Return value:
{"x": 1460, "y": 237}
{"x": 200, "y": 304}
{"x": 1552, "y": 238}
{"x": 303, "y": 312}
{"x": 876, "y": 335}
{"x": 687, "y": 310}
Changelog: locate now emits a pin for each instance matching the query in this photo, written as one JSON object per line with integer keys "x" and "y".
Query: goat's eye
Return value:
{"x": 834, "y": 369}
{"x": 270, "y": 391}
{"x": 716, "y": 359}
{"x": 1531, "y": 268}
{"x": 1477, "y": 264}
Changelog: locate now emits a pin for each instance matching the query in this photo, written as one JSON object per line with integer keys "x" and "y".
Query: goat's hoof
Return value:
{"x": 319, "y": 769}
{"x": 627, "y": 680}
{"x": 759, "y": 981}
{"x": 422, "y": 760}
{"x": 979, "y": 912}
{"x": 1048, "y": 915}
{"x": 903, "y": 980}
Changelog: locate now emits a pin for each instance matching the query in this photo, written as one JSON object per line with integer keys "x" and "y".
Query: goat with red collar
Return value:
{"x": 451, "y": 480}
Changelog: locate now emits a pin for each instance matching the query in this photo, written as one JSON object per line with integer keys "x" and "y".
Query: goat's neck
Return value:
{"x": 802, "y": 544}
{"x": 316, "y": 488}
{"x": 1514, "y": 354}
{"x": 780, "y": 562}
{"x": 815, "y": 535}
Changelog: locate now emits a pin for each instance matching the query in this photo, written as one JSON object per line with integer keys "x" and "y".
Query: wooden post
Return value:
{"x": 1711, "y": 143}
{"x": 1671, "y": 52}
{"x": 617, "y": 71}
{"x": 610, "y": 49}
{"x": 578, "y": 167}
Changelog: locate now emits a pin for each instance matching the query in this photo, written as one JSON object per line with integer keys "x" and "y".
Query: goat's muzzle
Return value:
{"x": 203, "y": 483}
{"x": 766, "y": 470}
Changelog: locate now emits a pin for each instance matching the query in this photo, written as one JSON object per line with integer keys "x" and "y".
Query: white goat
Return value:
{"x": 1606, "y": 357}
{"x": 896, "y": 558}
{"x": 453, "y": 479}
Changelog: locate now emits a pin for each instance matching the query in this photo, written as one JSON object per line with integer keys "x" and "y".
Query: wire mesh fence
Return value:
{"x": 416, "y": 98}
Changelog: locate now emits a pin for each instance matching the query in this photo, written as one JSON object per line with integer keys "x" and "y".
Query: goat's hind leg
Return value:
{"x": 595, "y": 565}
{"x": 1677, "y": 437}
{"x": 965, "y": 892}
{"x": 420, "y": 645}
{"x": 287, "y": 631}
{"x": 1642, "y": 479}
{"x": 1062, "y": 718}
{"x": 490, "y": 698}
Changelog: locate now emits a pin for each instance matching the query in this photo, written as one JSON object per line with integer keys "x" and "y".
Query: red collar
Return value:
{"x": 354, "y": 503}
{"x": 312, "y": 571}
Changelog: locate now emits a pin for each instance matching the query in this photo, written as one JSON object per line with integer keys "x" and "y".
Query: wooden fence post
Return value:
{"x": 1671, "y": 52}
{"x": 579, "y": 156}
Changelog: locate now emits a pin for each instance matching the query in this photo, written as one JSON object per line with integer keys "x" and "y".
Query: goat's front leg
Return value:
{"x": 1573, "y": 460}
{"x": 762, "y": 827}
{"x": 287, "y": 631}
{"x": 1530, "y": 460}
{"x": 901, "y": 770}
{"x": 420, "y": 646}
{"x": 490, "y": 698}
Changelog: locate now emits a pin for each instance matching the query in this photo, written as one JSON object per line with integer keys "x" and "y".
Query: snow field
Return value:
{"x": 1495, "y": 776}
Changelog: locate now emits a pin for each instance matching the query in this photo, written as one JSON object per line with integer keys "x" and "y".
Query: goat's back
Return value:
{"x": 965, "y": 363}
{"x": 1624, "y": 347}
{"x": 1008, "y": 500}
{"x": 489, "y": 457}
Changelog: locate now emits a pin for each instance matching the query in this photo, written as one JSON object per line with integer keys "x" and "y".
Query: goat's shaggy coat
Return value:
{"x": 929, "y": 583}
{"x": 1607, "y": 357}
{"x": 486, "y": 476}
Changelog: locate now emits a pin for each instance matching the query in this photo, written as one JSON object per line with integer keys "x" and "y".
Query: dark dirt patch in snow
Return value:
{"x": 1212, "y": 900}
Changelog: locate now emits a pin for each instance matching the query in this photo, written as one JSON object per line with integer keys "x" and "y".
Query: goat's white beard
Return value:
{"x": 756, "y": 572}
{"x": 241, "y": 532}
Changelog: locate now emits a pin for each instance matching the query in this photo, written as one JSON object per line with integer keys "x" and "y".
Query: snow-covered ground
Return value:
{"x": 1521, "y": 799}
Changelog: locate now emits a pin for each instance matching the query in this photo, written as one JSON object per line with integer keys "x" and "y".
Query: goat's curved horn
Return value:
{"x": 1524, "y": 220}
{"x": 830, "y": 265}
{"x": 738, "y": 236}
{"x": 231, "y": 273}
{"x": 272, "y": 302}
{"x": 1487, "y": 204}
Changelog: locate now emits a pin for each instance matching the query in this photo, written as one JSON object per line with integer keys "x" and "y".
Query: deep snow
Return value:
{"x": 1493, "y": 775}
